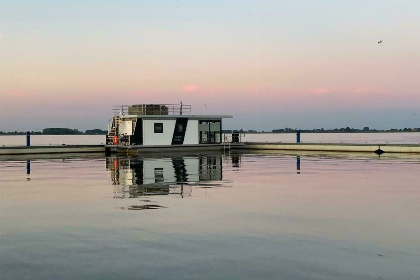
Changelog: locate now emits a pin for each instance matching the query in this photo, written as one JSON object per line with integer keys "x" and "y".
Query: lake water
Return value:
{"x": 359, "y": 138}
{"x": 265, "y": 215}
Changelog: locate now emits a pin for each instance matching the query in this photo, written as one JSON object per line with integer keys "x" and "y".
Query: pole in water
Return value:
{"x": 298, "y": 136}
{"x": 28, "y": 138}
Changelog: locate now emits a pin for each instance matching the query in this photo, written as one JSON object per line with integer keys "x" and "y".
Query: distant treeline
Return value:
{"x": 59, "y": 131}
{"x": 322, "y": 130}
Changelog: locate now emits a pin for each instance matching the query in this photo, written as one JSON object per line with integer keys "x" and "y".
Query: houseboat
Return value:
{"x": 149, "y": 126}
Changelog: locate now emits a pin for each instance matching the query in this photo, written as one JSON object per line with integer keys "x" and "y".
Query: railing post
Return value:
{"x": 298, "y": 136}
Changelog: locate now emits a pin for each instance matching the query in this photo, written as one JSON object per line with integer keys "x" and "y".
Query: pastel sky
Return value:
{"x": 271, "y": 64}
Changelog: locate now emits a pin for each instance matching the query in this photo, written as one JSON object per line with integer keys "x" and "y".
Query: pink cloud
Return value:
{"x": 15, "y": 93}
{"x": 360, "y": 91}
{"x": 322, "y": 91}
{"x": 190, "y": 88}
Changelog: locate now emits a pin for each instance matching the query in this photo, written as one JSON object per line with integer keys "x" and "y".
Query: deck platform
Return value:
{"x": 134, "y": 150}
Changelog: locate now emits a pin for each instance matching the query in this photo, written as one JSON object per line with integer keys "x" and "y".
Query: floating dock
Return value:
{"x": 333, "y": 147}
{"x": 62, "y": 149}
{"x": 134, "y": 150}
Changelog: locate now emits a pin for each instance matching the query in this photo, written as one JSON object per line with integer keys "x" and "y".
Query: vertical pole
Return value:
{"x": 298, "y": 136}
{"x": 208, "y": 134}
{"x": 28, "y": 138}
{"x": 221, "y": 134}
{"x": 180, "y": 108}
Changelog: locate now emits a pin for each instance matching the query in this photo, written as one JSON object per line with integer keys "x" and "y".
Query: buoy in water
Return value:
{"x": 379, "y": 151}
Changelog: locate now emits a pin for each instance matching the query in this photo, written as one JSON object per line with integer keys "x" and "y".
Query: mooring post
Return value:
{"x": 298, "y": 136}
{"x": 28, "y": 138}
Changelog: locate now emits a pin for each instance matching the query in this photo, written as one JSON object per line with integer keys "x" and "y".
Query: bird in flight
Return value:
{"x": 380, "y": 42}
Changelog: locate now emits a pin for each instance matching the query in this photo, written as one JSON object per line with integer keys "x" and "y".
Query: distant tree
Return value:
{"x": 61, "y": 131}
{"x": 366, "y": 128}
{"x": 96, "y": 131}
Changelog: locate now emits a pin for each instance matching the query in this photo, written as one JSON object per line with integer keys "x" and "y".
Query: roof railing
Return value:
{"x": 152, "y": 109}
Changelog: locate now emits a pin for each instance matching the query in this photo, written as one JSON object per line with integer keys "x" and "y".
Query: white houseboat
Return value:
{"x": 147, "y": 126}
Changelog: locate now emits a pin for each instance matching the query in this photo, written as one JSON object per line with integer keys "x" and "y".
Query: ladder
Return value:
{"x": 112, "y": 127}
{"x": 226, "y": 143}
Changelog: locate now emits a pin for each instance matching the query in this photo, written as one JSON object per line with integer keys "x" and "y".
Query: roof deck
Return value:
{"x": 161, "y": 111}
{"x": 152, "y": 109}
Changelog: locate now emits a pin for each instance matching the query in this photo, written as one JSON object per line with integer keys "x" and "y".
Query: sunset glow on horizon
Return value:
{"x": 271, "y": 64}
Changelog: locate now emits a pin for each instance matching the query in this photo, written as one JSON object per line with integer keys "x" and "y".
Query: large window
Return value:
{"x": 209, "y": 131}
{"x": 158, "y": 127}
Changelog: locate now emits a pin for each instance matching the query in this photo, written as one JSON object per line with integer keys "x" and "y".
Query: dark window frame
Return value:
{"x": 158, "y": 127}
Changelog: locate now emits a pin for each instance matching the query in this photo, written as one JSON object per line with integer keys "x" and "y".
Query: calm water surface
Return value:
{"x": 360, "y": 138}
{"x": 211, "y": 216}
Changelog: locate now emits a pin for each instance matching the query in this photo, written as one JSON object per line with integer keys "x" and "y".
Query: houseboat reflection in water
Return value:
{"x": 137, "y": 177}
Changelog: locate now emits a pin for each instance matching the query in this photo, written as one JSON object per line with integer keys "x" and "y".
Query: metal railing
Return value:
{"x": 230, "y": 138}
{"x": 152, "y": 109}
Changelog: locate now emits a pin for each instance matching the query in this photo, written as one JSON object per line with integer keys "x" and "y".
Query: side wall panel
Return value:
{"x": 137, "y": 137}
{"x": 126, "y": 127}
{"x": 191, "y": 135}
{"x": 152, "y": 138}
